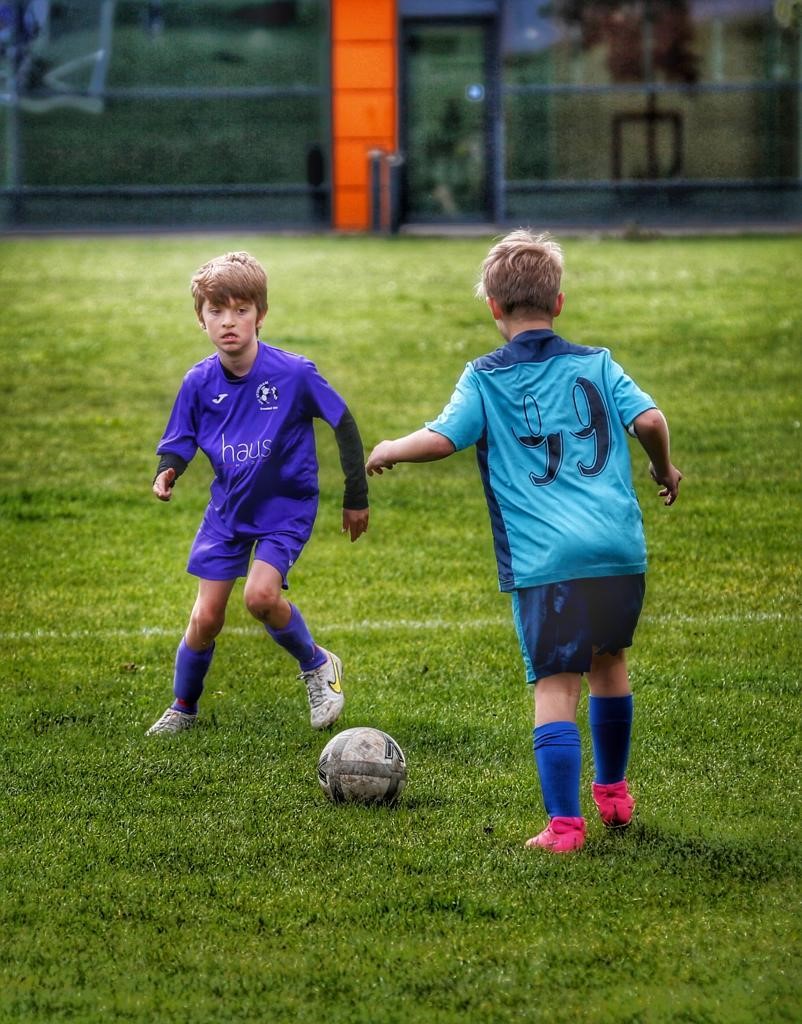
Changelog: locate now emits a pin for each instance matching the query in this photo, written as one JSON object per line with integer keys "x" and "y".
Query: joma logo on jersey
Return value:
{"x": 246, "y": 451}
{"x": 267, "y": 396}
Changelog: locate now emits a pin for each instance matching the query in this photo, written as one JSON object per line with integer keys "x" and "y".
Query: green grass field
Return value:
{"x": 207, "y": 879}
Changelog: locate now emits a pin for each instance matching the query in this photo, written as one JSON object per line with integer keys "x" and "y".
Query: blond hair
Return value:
{"x": 235, "y": 275}
{"x": 522, "y": 273}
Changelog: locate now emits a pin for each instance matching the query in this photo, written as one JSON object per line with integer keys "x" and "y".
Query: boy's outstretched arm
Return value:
{"x": 423, "y": 446}
{"x": 651, "y": 429}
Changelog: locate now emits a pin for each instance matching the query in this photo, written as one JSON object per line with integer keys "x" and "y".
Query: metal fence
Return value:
{"x": 132, "y": 114}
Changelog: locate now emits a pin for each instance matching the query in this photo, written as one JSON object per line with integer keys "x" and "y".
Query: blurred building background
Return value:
{"x": 392, "y": 114}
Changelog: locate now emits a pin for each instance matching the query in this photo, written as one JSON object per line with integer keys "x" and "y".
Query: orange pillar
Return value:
{"x": 364, "y": 97}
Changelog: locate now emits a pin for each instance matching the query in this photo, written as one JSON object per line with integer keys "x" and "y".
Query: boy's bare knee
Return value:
{"x": 262, "y": 602}
{"x": 556, "y": 697}
{"x": 205, "y": 624}
{"x": 609, "y": 676}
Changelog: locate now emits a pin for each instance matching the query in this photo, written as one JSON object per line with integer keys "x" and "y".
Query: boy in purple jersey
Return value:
{"x": 549, "y": 420}
{"x": 250, "y": 409}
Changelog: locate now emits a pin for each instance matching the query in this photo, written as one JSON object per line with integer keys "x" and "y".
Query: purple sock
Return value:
{"x": 610, "y": 721}
{"x": 296, "y": 639}
{"x": 190, "y": 671}
{"x": 558, "y": 756}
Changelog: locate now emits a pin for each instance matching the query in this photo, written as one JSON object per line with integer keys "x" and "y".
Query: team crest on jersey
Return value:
{"x": 267, "y": 396}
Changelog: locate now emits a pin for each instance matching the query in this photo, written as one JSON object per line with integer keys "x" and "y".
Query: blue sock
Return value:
{"x": 610, "y": 721}
{"x": 296, "y": 639}
{"x": 190, "y": 671}
{"x": 558, "y": 756}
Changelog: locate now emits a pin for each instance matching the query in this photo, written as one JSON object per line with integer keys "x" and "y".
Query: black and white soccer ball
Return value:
{"x": 362, "y": 766}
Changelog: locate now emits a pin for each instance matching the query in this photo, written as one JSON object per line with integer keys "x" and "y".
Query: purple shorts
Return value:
{"x": 561, "y": 625}
{"x": 217, "y": 554}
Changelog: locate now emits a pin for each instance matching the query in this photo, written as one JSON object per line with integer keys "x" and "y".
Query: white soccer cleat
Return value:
{"x": 172, "y": 721}
{"x": 324, "y": 688}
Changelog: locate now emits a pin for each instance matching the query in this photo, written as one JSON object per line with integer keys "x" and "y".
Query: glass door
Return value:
{"x": 446, "y": 128}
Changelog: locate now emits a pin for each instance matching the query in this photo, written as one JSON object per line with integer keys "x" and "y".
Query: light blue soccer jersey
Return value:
{"x": 549, "y": 420}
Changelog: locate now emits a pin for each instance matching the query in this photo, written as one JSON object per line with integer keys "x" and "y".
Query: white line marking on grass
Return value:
{"x": 380, "y": 625}
{"x": 715, "y": 619}
{"x": 366, "y": 625}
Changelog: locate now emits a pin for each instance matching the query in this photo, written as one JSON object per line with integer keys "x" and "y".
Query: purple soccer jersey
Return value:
{"x": 257, "y": 432}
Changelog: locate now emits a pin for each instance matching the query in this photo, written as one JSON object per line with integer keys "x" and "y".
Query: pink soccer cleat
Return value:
{"x": 561, "y": 835}
{"x": 615, "y": 803}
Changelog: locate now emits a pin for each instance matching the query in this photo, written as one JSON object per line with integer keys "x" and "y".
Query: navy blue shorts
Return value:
{"x": 561, "y": 625}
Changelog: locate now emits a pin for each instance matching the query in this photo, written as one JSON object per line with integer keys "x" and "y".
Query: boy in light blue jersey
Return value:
{"x": 549, "y": 420}
{"x": 250, "y": 408}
